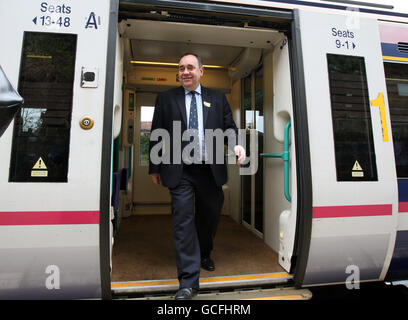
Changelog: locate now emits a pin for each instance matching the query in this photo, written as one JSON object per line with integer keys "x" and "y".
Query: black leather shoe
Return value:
{"x": 185, "y": 294}
{"x": 207, "y": 264}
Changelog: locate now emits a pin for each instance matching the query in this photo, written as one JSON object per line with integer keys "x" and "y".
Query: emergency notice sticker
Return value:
{"x": 39, "y": 169}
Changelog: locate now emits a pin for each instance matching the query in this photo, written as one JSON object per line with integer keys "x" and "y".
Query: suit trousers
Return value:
{"x": 196, "y": 208}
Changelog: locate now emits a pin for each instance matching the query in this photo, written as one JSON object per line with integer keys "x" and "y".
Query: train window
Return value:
{"x": 396, "y": 75}
{"x": 352, "y": 128}
{"x": 42, "y": 128}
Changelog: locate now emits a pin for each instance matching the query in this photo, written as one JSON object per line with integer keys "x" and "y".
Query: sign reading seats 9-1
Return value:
{"x": 345, "y": 35}
{"x": 343, "y": 38}
{"x": 59, "y": 15}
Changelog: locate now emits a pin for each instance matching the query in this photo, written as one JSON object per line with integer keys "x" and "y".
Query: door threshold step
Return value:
{"x": 288, "y": 293}
{"x": 166, "y": 285}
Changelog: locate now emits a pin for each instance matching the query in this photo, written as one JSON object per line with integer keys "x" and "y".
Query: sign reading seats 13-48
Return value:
{"x": 60, "y": 15}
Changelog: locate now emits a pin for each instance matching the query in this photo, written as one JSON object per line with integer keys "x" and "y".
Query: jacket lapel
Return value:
{"x": 206, "y": 104}
{"x": 181, "y": 103}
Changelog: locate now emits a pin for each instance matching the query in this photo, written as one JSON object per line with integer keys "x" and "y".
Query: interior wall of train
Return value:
{"x": 251, "y": 66}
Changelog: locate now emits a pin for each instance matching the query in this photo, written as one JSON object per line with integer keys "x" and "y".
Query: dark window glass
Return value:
{"x": 397, "y": 88}
{"x": 42, "y": 128}
{"x": 352, "y": 128}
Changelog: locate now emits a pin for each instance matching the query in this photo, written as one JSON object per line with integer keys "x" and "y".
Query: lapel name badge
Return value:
{"x": 207, "y": 104}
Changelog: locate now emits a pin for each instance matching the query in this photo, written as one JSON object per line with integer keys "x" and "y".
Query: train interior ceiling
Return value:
{"x": 143, "y": 246}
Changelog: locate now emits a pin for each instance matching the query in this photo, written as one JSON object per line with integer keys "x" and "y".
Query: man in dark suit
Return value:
{"x": 189, "y": 165}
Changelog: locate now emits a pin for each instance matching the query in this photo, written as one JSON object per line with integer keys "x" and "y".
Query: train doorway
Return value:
{"x": 247, "y": 252}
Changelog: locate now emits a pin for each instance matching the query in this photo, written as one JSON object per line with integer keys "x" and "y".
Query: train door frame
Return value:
{"x": 304, "y": 208}
{"x": 105, "y": 233}
{"x": 303, "y": 161}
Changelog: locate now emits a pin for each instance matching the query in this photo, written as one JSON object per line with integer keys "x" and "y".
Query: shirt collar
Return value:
{"x": 197, "y": 90}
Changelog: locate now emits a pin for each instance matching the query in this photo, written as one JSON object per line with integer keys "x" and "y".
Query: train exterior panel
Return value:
{"x": 50, "y": 212}
{"x": 344, "y": 187}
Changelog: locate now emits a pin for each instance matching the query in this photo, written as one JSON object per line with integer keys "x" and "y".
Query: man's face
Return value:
{"x": 190, "y": 72}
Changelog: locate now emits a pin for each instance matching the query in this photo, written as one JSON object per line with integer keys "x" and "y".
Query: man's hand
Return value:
{"x": 156, "y": 178}
{"x": 240, "y": 153}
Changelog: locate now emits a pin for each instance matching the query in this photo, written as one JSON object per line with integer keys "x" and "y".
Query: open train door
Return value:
{"x": 353, "y": 175}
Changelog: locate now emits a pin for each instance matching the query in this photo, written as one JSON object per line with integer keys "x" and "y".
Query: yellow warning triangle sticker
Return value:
{"x": 357, "y": 167}
{"x": 40, "y": 164}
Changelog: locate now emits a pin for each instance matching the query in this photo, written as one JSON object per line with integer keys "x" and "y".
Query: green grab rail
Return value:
{"x": 285, "y": 156}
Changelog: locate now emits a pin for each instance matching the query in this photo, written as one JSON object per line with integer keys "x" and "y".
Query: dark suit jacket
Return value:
{"x": 170, "y": 106}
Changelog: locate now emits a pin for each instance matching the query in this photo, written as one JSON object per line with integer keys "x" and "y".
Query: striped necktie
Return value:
{"x": 193, "y": 118}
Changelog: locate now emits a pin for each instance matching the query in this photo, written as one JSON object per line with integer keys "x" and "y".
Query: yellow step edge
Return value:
{"x": 203, "y": 280}
{"x": 142, "y": 284}
{"x": 287, "y": 297}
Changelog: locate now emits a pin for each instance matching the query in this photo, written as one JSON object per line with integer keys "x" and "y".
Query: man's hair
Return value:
{"x": 200, "y": 63}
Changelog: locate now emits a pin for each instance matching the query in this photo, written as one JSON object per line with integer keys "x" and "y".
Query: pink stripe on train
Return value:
{"x": 352, "y": 211}
{"x": 48, "y": 218}
{"x": 403, "y": 207}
